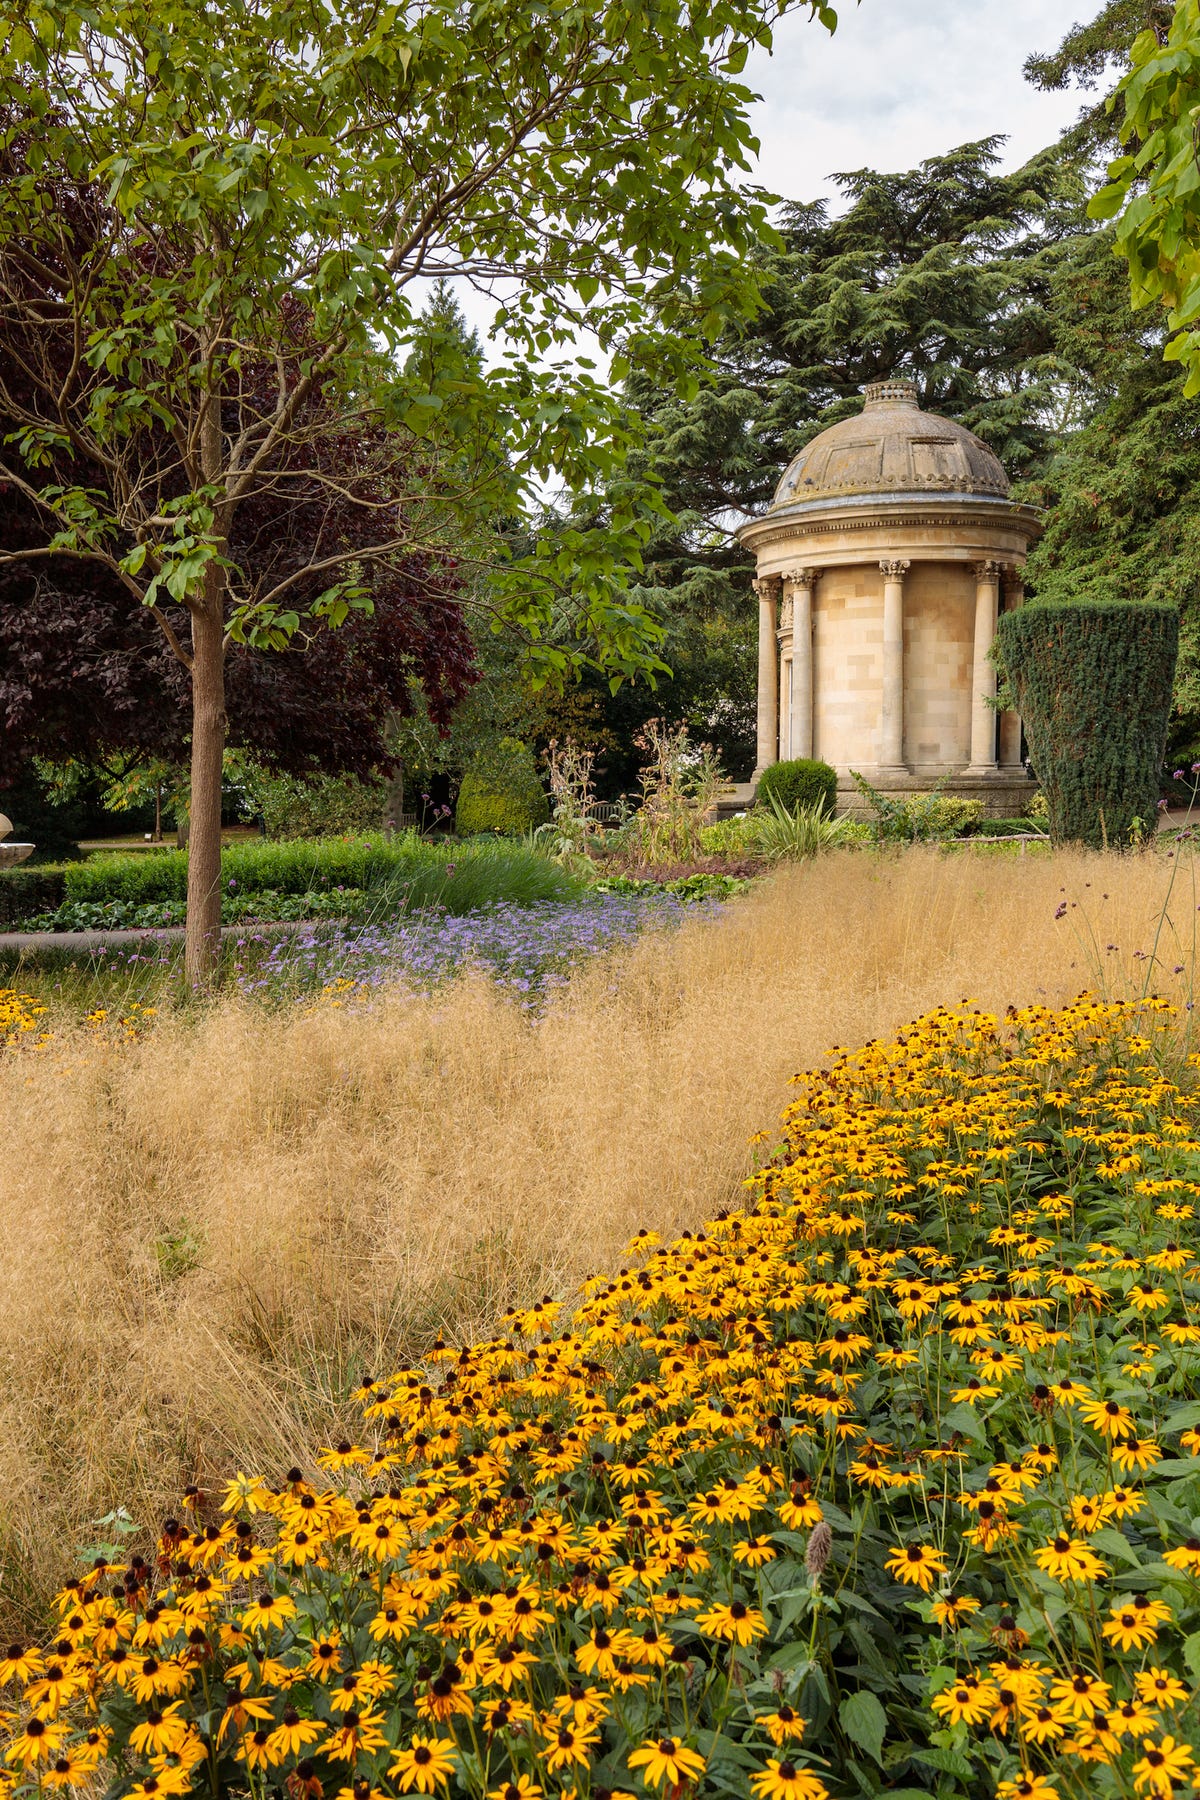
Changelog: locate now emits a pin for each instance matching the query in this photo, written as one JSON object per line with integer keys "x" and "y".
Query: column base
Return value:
{"x": 984, "y": 770}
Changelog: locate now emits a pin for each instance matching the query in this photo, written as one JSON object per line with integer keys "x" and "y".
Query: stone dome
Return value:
{"x": 891, "y": 447}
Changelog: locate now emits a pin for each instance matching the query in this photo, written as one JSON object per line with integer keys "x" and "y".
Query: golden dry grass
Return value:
{"x": 210, "y": 1234}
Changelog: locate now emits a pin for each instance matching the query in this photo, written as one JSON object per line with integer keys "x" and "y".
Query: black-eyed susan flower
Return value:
{"x": 568, "y": 1745}
{"x": 423, "y": 1766}
{"x": 1159, "y": 1688}
{"x": 354, "y": 1734}
{"x": 667, "y": 1762}
{"x": 521, "y": 1787}
{"x": 968, "y": 1701}
{"x": 160, "y": 1730}
{"x": 953, "y": 1609}
{"x": 1027, "y": 1787}
{"x": 1163, "y": 1767}
{"x": 736, "y": 1622}
{"x": 1079, "y": 1694}
{"x": 782, "y": 1780}
{"x": 917, "y": 1564}
{"x": 1185, "y": 1556}
{"x": 1069, "y": 1559}
{"x": 784, "y": 1725}
{"x": 1127, "y": 1630}
{"x": 294, "y": 1734}
{"x": 36, "y": 1744}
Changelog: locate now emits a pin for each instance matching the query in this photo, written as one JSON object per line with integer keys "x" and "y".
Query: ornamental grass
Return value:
{"x": 889, "y": 1477}
{"x": 211, "y": 1231}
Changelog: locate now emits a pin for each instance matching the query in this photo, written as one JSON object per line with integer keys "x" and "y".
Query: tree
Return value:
{"x": 1085, "y": 59}
{"x": 1154, "y": 187}
{"x": 277, "y": 179}
{"x": 86, "y": 673}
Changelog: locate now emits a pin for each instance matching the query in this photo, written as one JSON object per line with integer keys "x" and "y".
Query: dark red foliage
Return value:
{"x": 85, "y": 669}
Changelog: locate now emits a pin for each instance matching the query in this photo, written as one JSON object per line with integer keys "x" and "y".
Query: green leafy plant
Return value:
{"x": 1093, "y": 684}
{"x": 680, "y": 782}
{"x": 573, "y": 825}
{"x": 917, "y": 818}
{"x": 800, "y": 781}
{"x": 502, "y": 792}
{"x": 783, "y": 834}
{"x": 323, "y": 806}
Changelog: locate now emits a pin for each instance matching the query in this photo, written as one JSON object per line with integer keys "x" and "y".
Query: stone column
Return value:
{"x": 1010, "y": 723}
{"x": 983, "y": 674}
{"x": 784, "y": 634}
{"x": 767, "y": 588}
{"x": 891, "y": 727}
{"x": 800, "y": 736}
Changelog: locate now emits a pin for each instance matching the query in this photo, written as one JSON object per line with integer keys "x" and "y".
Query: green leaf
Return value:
{"x": 864, "y": 1722}
{"x": 1191, "y": 1655}
{"x": 966, "y": 1422}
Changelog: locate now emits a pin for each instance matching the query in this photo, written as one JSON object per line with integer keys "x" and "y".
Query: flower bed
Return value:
{"x": 889, "y": 1483}
{"x": 528, "y": 950}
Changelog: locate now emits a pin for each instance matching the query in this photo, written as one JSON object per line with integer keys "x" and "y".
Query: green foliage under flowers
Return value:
{"x": 502, "y": 792}
{"x": 917, "y": 818}
{"x": 1093, "y": 685}
{"x": 887, "y": 1483}
{"x": 265, "y": 905}
{"x": 800, "y": 782}
{"x": 704, "y": 885}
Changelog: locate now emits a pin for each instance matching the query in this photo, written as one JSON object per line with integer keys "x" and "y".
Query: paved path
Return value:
{"x": 166, "y": 934}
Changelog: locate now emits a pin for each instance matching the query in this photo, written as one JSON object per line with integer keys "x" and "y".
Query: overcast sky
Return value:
{"x": 901, "y": 80}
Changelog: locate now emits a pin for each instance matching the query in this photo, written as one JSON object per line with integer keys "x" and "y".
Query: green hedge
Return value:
{"x": 501, "y": 792}
{"x": 25, "y": 890}
{"x": 1093, "y": 686}
{"x": 801, "y": 782}
{"x": 403, "y": 873}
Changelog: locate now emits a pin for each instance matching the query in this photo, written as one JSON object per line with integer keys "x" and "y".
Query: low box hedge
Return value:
{"x": 24, "y": 891}
{"x": 399, "y": 874}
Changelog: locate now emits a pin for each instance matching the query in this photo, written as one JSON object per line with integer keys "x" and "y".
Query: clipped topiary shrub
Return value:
{"x": 802, "y": 782}
{"x": 1093, "y": 686}
{"x": 501, "y": 792}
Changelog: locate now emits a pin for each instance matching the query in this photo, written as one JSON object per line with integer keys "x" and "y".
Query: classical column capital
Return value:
{"x": 990, "y": 570}
{"x": 802, "y": 577}
{"x": 767, "y": 587}
{"x": 895, "y": 568}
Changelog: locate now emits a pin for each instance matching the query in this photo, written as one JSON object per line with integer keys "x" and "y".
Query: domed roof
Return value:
{"x": 891, "y": 447}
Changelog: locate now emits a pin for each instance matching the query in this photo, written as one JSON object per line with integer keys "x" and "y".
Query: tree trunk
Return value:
{"x": 393, "y": 800}
{"x": 203, "y": 942}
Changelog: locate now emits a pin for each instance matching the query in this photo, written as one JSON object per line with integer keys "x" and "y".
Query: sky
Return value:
{"x": 900, "y": 80}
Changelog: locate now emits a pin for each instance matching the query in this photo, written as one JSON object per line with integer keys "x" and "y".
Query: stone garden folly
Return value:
{"x": 888, "y": 550}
